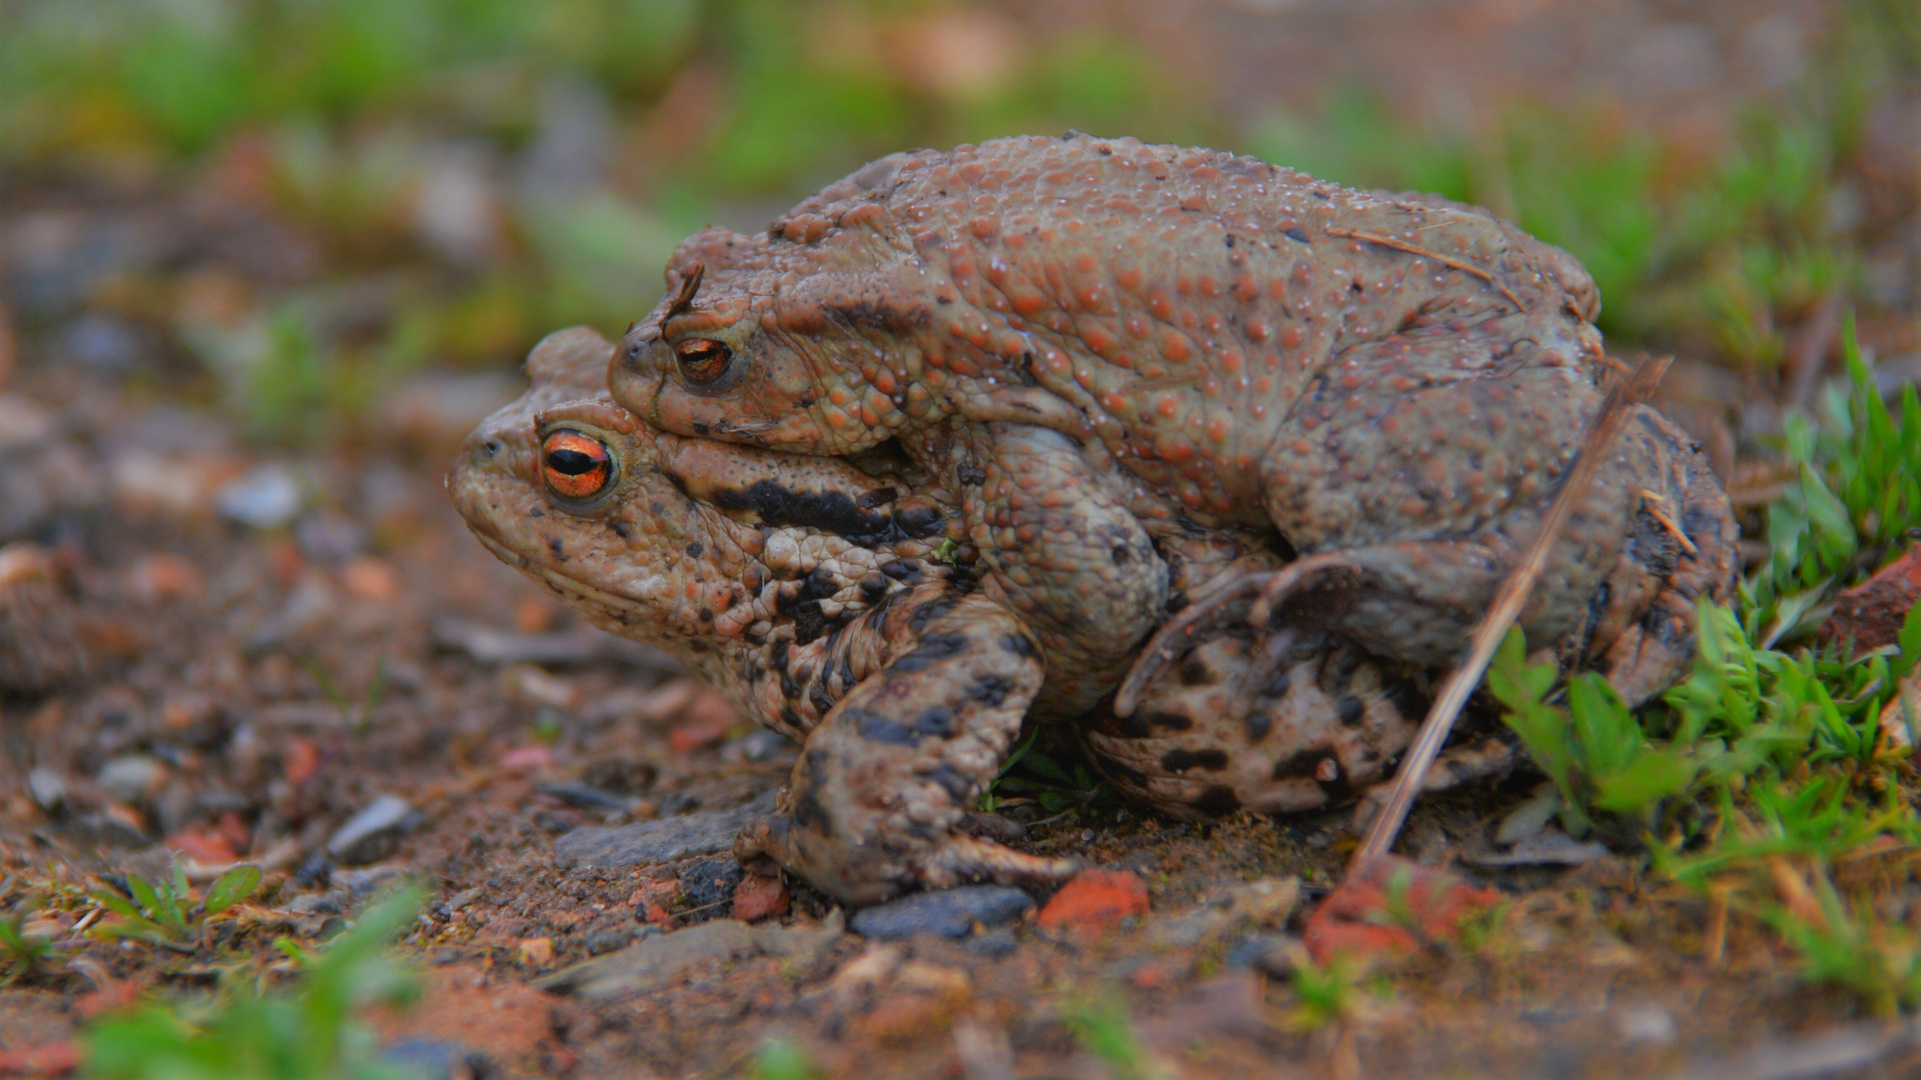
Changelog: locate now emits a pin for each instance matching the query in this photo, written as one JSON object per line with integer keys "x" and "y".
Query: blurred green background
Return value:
{"x": 317, "y": 199}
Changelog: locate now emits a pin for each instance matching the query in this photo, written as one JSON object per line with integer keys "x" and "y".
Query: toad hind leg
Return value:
{"x": 885, "y": 783}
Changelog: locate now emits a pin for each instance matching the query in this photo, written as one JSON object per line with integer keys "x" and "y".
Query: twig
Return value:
{"x": 1414, "y": 249}
{"x": 1615, "y": 410}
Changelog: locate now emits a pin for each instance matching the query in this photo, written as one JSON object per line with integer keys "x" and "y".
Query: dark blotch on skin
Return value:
{"x": 931, "y": 650}
{"x": 1193, "y": 672}
{"x": 695, "y": 548}
{"x": 1021, "y": 645}
{"x": 955, "y": 783}
{"x": 1258, "y": 724}
{"x": 1351, "y": 710}
{"x": 876, "y": 497}
{"x": 918, "y": 619}
{"x": 1407, "y": 699}
{"x": 872, "y": 587}
{"x": 901, "y": 569}
{"x": 831, "y": 511}
{"x": 972, "y": 475}
{"x": 990, "y": 691}
{"x": 1182, "y": 760}
{"x": 877, "y": 728}
{"x": 1300, "y": 763}
{"x": 1167, "y": 721}
{"x": 809, "y": 622}
{"x": 1217, "y": 800}
{"x": 553, "y": 545}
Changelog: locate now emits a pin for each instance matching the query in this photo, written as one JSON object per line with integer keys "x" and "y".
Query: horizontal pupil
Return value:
{"x": 572, "y": 462}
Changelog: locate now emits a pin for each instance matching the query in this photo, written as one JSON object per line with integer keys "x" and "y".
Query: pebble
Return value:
{"x": 48, "y": 788}
{"x": 997, "y": 944}
{"x": 583, "y": 797}
{"x": 763, "y": 744}
{"x": 130, "y": 777}
{"x": 665, "y": 840}
{"x": 948, "y": 913}
{"x": 374, "y": 832}
{"x": 1548, "y": 848}
{"x": 710, "y": 882}
{"x": 651, "y": 963}
{"x": 757, "y": 898}
{"x": 432, "y": 1059}
{"x": 267, "y": 497}
{"x": 1096, "y": 900}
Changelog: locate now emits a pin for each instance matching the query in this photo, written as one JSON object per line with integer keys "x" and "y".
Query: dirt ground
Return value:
{"x": 246, "y": 648}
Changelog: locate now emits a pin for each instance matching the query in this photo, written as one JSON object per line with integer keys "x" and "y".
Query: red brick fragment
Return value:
{"x": 46, "y": 1059}
{"x": 1361, "y": 919}
{"x": 1872, "y": 612}
{"x": 758, "y": 897}
{"x": 1096, "y": 900}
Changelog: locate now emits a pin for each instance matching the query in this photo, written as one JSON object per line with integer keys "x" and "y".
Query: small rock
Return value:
{"x": 330, "y": 538}
{"x": 763, "y": 744}
{"x": 583, "y": 797}
{"x": 863, "y": 974}
{"x": 1270, "y": 954}
{"x": 432, "y": 1059}
{"x": 757, "y": 898}
{"x": 130, "y": 778}
{"x": 1355, "y": 918}
{"x": 537, "y": 951}
{"x": 1095, "y": 901}
{"x": 267, "y": 497}
{"x": 801, "y": 945}
{"x": 527, "y": 759}
{"x": 606, "y": 941}
{"x": 948, "y": 913}
{"x": 710, "y": 882}
{"x": 103, "y": 345}
{"x": 313, "y": 904}
{"x": 48, "y": 789}
{"x": 374, "y": 832}
{"x": 316, "y": 871}
{"x": 997, "y": 944}
{"x": 1262, "y": 902}
{"x": 651, "y": 963}
{"x": 665, "y": 840}
{"x": 1649, "y": 1024}
{"x": 1551, "y": 847}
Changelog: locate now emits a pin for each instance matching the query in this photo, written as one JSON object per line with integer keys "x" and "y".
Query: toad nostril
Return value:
{"x": 490, "y": 447}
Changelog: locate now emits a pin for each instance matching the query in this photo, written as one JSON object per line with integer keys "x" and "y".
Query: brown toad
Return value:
{"x": 814, "y": 596}
{"x": 1100, "y": 345}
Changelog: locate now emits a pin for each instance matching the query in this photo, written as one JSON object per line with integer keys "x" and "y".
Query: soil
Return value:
{"x": 218, "y": 691}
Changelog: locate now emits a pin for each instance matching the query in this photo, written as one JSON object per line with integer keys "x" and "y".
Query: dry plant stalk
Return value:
{"x": 1615, "y": 410}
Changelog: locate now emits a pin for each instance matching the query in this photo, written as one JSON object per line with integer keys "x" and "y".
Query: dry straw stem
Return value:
{"x": 1615, "y": 410}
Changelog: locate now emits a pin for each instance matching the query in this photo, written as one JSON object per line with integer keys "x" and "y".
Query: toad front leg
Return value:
{"x": 888, "y": 778}
{"x": 1061, "y": 547}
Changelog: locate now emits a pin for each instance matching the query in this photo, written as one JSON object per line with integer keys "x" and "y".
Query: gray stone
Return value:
{"x": 665, "y": 840}
{"x": 48, "y": 788}
{"x": 658, "y": 959}
{"x": 1549, "y": 848}
{"x": 130, "y": 777}
{"x": 948, "y": 913}
{"x": 710, "y": 882}
{"x": 267, "y": 497}
{"x": 650, "y": 964}
{"x": 374, "y": 832}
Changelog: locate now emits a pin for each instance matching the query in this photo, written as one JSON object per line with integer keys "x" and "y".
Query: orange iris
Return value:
{"x": 576, "y": 466}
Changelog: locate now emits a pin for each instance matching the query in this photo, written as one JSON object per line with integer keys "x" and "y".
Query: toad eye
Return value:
{"x": 575, "y": 466}
{"x": 702, "y": 360}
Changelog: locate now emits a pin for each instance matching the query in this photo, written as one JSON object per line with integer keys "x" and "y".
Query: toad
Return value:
{"x": 1100, "y": 345}
{"x": 834, "y": 605}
